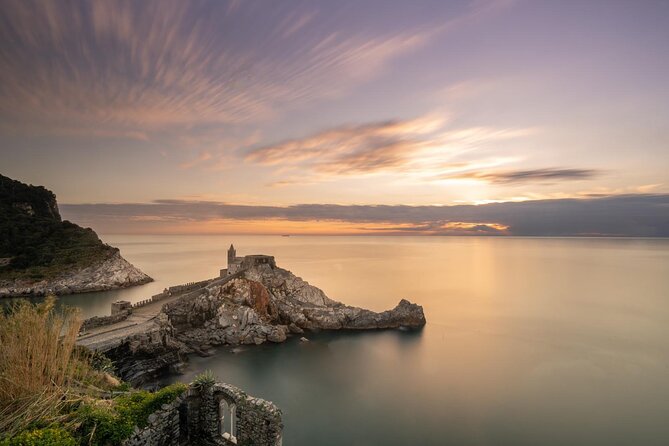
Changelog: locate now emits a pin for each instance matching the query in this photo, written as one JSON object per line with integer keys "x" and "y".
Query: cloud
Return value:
{"x": 156, "y": 67}
{"x": 201, "y": 158}
{"x": 422, "y": 148}
{"x": 353, "y": 149}
{"x": 532, "y": 175}
{"x": 645, "y": 215}
{"x": 295, "y": 22}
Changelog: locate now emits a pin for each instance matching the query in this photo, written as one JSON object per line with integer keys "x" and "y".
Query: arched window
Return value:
{"x": 227, "y": 420}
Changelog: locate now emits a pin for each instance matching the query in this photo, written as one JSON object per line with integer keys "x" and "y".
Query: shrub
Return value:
{"x": 101, "y": 363}
{"x": 205, "y": 379}
{"x": 102, "y": 425}
{"x": 111, "y": 424}
{"x": 41, "y": 437}
{"x": 137, "y": 406}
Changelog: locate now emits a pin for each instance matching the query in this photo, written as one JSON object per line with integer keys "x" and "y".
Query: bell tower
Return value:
{"x": 232, "y": 255}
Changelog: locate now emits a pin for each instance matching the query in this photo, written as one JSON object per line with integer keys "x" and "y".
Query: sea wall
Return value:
{"x": 187, "y": 286}
{"x": 99, "y": 321}
{"x": 214, "y": 414}
{"x": 126, "y": 310}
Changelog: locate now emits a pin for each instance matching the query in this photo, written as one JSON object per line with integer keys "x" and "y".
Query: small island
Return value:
{"x": 41, "y": 254}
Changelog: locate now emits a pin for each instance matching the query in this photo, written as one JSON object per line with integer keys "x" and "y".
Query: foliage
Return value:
{"x": 51, "y": 436}
{"x": 139, "y": 405}
{"x": 39, "y": 244}
{"x": 46, "y": 381}
{"x": 111, "y": 424}
{"x": 101, "y": 363}
{"x": 123, "y": 387}
{"x": 205, "y": 379}
{"x": 38, "y": 363}
{"x": 42, "y": 373}
{"x": 100, "y": 425}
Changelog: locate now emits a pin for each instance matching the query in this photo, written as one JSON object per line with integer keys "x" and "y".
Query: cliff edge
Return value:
{"x": 42, "y": 254}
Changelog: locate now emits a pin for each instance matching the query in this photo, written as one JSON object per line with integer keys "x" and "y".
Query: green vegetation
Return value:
{"x": 54, "y": 393}
{"x": 110, "y": 422}
{"x": 42, "y": 373}
{"x": 35, "y": 241}
{"x": 205, "y": 379}
{"x": 52, "y": 436}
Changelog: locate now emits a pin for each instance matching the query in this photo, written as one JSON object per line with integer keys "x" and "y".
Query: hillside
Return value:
{"x": 40, "y": 253}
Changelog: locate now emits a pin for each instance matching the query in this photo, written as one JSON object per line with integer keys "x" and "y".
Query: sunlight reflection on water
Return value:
{"x": 529, "y": 340}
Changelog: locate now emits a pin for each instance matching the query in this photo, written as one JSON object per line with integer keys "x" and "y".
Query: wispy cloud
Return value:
{"x": 167, "y": 66}
{"x": 423, "y": 148}
{"x": 354, "y": 149}
{"x": 201, "y": 158}
{"x": 546, "y": 175}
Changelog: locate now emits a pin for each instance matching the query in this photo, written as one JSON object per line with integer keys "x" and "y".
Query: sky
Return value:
{"x": 349, "y": 117}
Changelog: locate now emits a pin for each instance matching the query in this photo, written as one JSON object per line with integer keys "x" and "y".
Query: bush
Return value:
{"x": 204, "y": 379}
{"x": 105, "y": 425}
{"x": 102, "y": 426}
{"x": 41, "y": 437}
{"x": 137, "y": 406}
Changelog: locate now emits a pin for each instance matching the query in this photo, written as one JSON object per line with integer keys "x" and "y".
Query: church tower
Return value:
{"x": 232, "y": 255}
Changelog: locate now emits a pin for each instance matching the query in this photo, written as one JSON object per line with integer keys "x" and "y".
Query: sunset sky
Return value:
{"x": 388, "y": 117}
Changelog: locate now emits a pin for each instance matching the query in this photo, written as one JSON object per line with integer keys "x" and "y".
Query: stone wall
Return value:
{"x": 195, "y": 418}
{"x": 163, "y": 428}
{"x": 187, "y": 286}
{"x": 99, "y": 321}
{"x": 256, "y": 421}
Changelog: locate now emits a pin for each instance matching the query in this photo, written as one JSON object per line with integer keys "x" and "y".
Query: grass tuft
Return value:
{"x": 41, "y": 370}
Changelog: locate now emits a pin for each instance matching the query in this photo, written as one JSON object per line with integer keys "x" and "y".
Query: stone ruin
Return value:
{"x": 219, "y": 414}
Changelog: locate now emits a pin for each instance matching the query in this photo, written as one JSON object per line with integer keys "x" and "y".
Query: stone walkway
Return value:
{"x": 109, "y": 336}
{"x": 140, "y": 321}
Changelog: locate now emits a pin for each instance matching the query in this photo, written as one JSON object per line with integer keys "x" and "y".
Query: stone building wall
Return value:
{"x": 220, "y": 414}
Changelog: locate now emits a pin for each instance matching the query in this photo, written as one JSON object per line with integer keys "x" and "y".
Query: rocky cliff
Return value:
{"x": 107, "y": 274}
{"x": 41, "y": 254}
{"x": 258, "y": 305}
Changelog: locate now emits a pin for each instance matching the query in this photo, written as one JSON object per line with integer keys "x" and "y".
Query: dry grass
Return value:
{"x": 41, "y": 370}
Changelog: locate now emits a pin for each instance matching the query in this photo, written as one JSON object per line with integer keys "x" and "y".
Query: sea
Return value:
{"x": 529, "y": 341}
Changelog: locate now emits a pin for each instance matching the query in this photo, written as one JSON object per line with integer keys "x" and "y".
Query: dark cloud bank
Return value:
{"x": 533, "y": 175}
{"x": 641, "y": 215}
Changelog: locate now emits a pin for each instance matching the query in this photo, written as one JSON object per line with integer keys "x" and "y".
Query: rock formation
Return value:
{"x": 107, "y": 274}
{"x": 42, "y": 254}
{"x": 260, "y": 304}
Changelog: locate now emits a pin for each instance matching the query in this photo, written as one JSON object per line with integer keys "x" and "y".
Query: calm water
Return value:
{"x": 528, "y": 342}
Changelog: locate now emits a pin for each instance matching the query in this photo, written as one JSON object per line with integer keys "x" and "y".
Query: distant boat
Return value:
{"x": 285, "y": 235}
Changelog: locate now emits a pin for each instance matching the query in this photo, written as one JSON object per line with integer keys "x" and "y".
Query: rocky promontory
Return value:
{"x": 110, "y": 273}
{"x": 42, "y": 254}
{"x": 261, "y": 303}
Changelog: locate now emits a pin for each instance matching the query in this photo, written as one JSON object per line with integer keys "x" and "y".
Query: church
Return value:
{"x": 237, "y": 264}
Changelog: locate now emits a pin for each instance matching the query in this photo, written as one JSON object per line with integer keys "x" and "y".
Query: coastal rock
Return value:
{"x": 42, "y": 254}
{"x": 257, "y": 305}
{"x": 111, "y": 273}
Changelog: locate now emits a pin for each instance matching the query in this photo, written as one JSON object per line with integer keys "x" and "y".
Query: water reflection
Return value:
{"x": 529, "y": 341}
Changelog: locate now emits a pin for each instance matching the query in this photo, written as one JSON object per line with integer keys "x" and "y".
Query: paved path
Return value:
{"x": 140, "y": 321}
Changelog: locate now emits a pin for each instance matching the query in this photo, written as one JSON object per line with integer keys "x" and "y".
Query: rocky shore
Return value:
{"x": 261, "y": 304}
{"x": 111, "y": 273}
